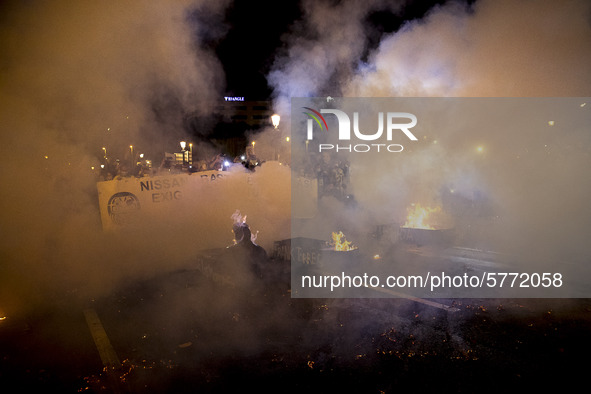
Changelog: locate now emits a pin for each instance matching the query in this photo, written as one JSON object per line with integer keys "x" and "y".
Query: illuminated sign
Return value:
{"x": 233, "y": 98}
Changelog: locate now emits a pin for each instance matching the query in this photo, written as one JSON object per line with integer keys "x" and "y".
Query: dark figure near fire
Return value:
{"x": 245, "y": 250}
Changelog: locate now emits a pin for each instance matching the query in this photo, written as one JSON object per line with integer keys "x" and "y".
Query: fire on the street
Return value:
{"x": 340, "y": 244}
{"x": 421, "y": 217}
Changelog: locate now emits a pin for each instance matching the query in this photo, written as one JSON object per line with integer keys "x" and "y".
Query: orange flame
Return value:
{"x": 419, "y": 217}
{"x": 340, "y": 244}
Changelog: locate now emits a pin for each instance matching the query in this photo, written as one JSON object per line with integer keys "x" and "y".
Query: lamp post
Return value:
{"x": 132, "y": 163}
{"x": 105, "y": 159}
{"x": 183, "y": 146}
{"x": 275, "y": 118}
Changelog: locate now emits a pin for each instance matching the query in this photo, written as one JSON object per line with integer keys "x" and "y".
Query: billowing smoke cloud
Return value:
{"x": 77, "y": 77}
{"x": 492, "y": 49}
{"x": 323, "y": 50}
{"x": 486, "y": 49}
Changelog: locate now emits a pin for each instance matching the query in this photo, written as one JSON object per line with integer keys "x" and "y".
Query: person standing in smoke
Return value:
{"x": 244, "y": 248}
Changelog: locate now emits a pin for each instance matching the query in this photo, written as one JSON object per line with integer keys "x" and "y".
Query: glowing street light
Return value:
{"x": 275, "y": 118}
{"x": 183, "y": 146}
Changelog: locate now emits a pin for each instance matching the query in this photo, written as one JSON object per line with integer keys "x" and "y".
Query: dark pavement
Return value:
{"x": 188, "y": 331}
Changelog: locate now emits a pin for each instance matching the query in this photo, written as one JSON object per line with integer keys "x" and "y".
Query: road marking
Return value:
{"x": 101, "y": 340}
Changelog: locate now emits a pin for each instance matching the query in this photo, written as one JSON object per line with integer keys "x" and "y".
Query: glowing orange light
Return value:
{"x": 419, "y": 217}
{"x": 340, "y": 244}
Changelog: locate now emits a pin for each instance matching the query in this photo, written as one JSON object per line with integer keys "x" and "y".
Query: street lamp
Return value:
{"x": 105, "y": 159}
{"x": 275, "y": 118}
{"x": 132, "y": 159}
{"x": 183, "y": 146}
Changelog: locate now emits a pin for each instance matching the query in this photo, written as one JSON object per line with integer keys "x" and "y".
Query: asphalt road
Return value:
{"x": 183, "y": 332}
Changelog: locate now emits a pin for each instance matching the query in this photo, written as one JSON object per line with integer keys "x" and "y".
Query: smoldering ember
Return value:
{"x": 173, "y": 222}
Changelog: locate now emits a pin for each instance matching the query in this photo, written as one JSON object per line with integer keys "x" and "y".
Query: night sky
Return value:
{"x": 255, "y": 30}
{"x": 253, "y": 38}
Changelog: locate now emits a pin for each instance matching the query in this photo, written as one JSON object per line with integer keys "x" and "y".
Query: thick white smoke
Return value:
{"x": 77, "y": 77}
{"x": 322, "y": 51}
{"x": 486, "y": 49}
{"x": 491, "y": 49}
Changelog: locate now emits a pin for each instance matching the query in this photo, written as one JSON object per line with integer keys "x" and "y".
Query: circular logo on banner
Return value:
{"x": 123, "y": 207}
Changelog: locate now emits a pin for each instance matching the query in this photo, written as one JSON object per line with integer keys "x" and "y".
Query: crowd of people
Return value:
{"x": 331, "y": 171}
{"x": 117, "y": 169}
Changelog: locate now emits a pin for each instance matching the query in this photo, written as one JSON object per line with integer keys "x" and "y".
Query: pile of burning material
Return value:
{"x": 339, "y": 254}
{"x": 339, "y": 243}
{"x": 311, "y": 253}
{"x": 426, "y": 226}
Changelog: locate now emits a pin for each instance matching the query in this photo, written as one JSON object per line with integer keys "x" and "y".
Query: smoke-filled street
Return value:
{"x": 323, "y": 196}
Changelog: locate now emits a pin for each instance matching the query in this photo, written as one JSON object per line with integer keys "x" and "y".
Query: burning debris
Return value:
{"x": 340, "y": 244}
{"x": 426, "y": 225}
{"x": 421, "y": 217}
